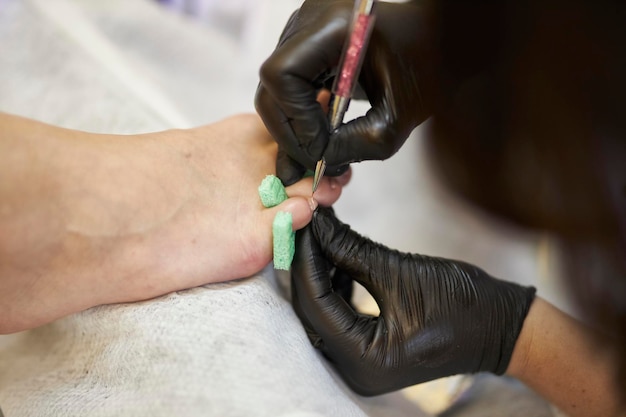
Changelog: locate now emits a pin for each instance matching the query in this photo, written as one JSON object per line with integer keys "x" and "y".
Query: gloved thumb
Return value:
{"x": 318, "y": 305}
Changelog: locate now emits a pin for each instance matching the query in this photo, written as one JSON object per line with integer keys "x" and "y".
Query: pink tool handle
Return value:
{"x": 353, "y": 56}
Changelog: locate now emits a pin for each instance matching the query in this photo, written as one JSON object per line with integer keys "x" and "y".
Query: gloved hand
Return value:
{"x": 394, "y": 77}
{"x": 438, "y": 317}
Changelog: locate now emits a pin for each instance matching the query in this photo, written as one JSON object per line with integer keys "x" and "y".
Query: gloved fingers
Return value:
{"x": 313, "y": 336}
{"x": 302, "y": 133}
{"x": 306, "y": 55}
{"x": 369, "y": 263}
{"x": 279, "y": 126}
{"x": 395, "y": 79}
{"x": 289, "y": 85}
{"x": 325, "y": 310}
{"x": 336, "y": 170}
{"x": 291, "y": 171}
{"x": 343, "y": 284}
{"x": 288, "y": 170}
{"x": 375, "y": 136}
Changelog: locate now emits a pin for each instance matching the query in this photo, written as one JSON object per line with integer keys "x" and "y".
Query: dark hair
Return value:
{"x": 530, "y": 123}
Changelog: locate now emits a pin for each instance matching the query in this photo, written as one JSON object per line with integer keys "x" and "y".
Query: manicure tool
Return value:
{"x": 349, "y": 68}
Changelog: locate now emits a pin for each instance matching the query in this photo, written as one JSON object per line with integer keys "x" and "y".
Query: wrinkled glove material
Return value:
{"x": 438, "y": 317}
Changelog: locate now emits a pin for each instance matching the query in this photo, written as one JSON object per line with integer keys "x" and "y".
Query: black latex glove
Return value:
{"x": 438, "y": 317}
{"x": 394, "y": 77}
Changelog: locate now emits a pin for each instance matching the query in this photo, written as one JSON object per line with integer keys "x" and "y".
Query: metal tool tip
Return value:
{"x": 319, "y": 173}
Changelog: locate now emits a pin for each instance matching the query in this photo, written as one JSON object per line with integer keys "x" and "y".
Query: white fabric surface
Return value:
{"x": 232, "y": 349}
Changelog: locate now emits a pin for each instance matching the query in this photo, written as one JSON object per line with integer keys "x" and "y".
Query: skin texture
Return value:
{"x": 579, "y": 378}
{"x": 89, "y": 219}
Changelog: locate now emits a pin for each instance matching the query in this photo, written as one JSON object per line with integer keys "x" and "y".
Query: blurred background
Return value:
{"x": 129, "y": 66}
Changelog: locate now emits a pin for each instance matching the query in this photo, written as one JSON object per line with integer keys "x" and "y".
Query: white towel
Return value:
{"x": 232, "y": 349}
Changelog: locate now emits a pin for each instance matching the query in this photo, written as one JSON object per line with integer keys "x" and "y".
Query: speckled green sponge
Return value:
{"x": 273, "y": 193}
{"x": 284, "y": 240}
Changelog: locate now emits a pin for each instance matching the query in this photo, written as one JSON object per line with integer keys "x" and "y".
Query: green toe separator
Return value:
{"x": 272, "y": 193}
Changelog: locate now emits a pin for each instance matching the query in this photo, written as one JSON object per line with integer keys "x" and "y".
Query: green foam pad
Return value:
{"x": 271, "y": 191}
{"x": 284, "y": 240}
